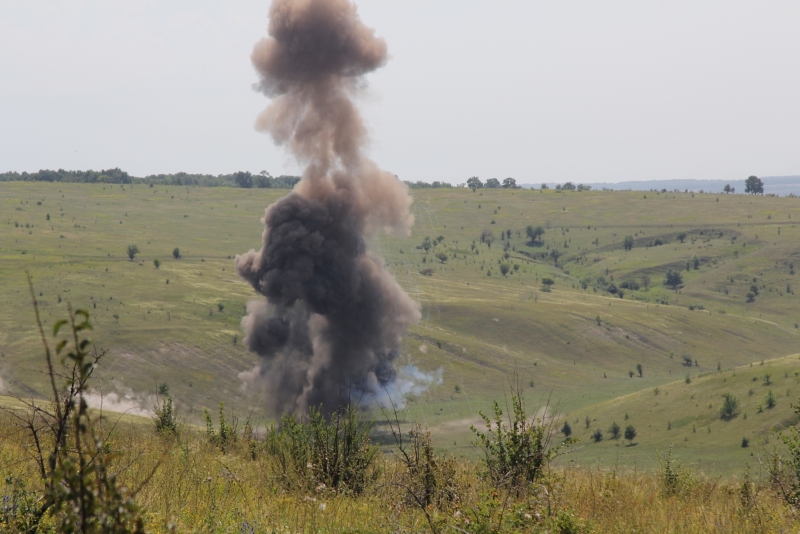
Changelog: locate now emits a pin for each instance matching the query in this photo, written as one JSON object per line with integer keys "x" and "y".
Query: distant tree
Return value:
{"x": 745, "y": 442}
{"x": 440, "y": 239}
{"x": 566, "y": 429}
{"x": 157, "y": 263}
{"x": 509, "y": 183}
{"x": 681, "y": 236}
{"x": 639, "y": 369}
{"x": 587, "y": 421}
{"x": 630, "y": 433}
{"x": 547, "y": 281}
{"x": 727, "y": 188}
{"x": 426, "y": 244}
{"x": 584, "y": 187}
{"x": 673, "y": 279}
{"x": 221, "y": 307}
{"x": 534, "y": 233}
{"x": 695, "y": 262}
{"x": 504, "y": 269}
{"x": 133, "y": 250}
{"x": 630, "y": 374}
{"x": 614, "y": 430}
{"x": 628, "y": 243}
{"x": 597, "y": 436}
{"x": 243, "y": 179}
{"x": 751, "y": 297}
{"x": 753, "y": 185}
{"x": 474, "y": 183}
{"x": 493, "y": 183}
{"x": 646, "y": 280}
{"x": 441, "y": 256}
{"x": 555, "y": 254}
{"x": 176, "y": 253}
{"x": 568, "y": 186}
{"x": 544, "y": 186}
{"x": 770, "y": 400}
{"x": 729, "y": 408}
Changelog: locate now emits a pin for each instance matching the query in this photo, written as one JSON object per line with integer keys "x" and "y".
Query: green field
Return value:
{"x": 576, "y": 344}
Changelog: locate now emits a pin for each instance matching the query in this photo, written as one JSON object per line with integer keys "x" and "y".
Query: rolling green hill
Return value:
{"x": 576, "y": 343}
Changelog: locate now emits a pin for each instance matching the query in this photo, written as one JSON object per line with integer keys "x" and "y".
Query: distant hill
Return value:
{"x": 776, "y": 185}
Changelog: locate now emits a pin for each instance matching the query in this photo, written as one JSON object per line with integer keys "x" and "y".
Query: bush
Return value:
{"x": 597, "y": 436}
{"x": 320, "y": 454}
{"x": 770, "y": 400}
{"x": 784, "y": 471}
{"x": 427, "y": 479}
{"x": 673, "y": 478}
{"x": 227, "y": 433}
{"x": 630, "y": 433}
{"x": 630, "y": 284}
{"x": 729, "y": 408}
{"x": 518, "y": 452}
{"x": 176, "y": 253}
{"x": 165, "y": 415}
{"x": 79, "y": 491}
{"x": 566, "y": 429}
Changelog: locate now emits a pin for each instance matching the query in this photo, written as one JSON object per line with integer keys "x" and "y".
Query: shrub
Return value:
{"x": 674, "y": 479}
{"x": 79, "y": 491}
{"x": 630, "y": 433}
{"x": 614, "y": 430}
{"x": 518, "y": 452}
{"x": 770, "y": 400}
{"x": 157, "y": 263}
{"x": 630, "y": 284}
{"x": 566, "y": 429}
{"x": 176, "y": 253}
{"x": 133, "y": 250}
{"x": 729, "y": 408}
{"x": 165, "y": 415}
{"x": 597, "y": 436}
{"x": 428, "y": 480}
{"x": 226, "y": 435}
{"x": 337, "y": 453}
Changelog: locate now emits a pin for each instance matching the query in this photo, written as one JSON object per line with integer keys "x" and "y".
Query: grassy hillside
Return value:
{"x": 576, "y": 343}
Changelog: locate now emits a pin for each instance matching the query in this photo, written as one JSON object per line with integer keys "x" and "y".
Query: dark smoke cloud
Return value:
{"x": 333, "y": 318}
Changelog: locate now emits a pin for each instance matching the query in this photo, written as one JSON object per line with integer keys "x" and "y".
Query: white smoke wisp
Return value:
{"x": 410, "y": 382}
{"x": 112, "y": 402}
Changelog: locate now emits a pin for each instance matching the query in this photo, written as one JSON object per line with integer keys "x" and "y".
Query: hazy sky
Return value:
{"x": 541, "y": 91}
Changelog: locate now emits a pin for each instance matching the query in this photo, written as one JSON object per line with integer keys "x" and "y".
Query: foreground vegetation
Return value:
{"x": 70, "y": 469}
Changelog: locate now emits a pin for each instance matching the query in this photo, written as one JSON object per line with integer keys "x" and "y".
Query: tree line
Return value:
{"x": 243, "y": 179}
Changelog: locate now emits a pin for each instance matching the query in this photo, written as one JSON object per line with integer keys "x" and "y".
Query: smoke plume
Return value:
{"x": 332, "y": 320}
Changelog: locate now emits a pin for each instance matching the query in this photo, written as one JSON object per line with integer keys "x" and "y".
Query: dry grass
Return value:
{"x": 198, "y": 489}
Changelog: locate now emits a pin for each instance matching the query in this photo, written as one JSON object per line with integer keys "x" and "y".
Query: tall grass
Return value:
{"x": 197, "y": 488}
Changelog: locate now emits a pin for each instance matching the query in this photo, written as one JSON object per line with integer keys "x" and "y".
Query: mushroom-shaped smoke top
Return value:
{"x": 333, "y": 317}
